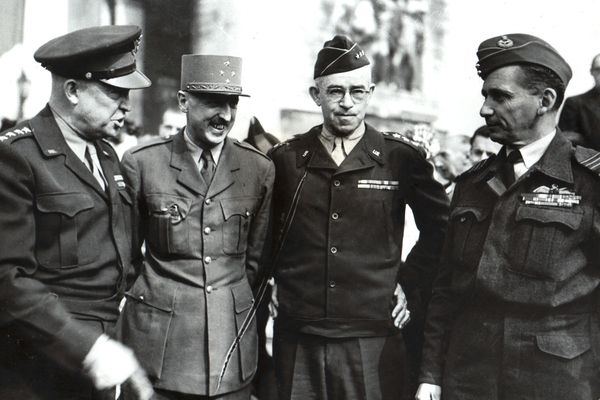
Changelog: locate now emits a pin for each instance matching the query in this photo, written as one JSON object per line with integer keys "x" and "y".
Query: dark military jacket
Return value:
{"x": 203, "y": 246}
{"x": 341, "y": 257}
{"x": 514, "y": 309}
{"x": 65, "y": 249}
{"x": 581, "y": 114}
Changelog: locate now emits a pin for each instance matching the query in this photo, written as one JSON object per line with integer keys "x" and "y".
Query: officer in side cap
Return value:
{"x": 339, "y": 203}
{"x": 65, "y": 252}
{"x": 204, "y": 201}
{"x": 514, "y": 311}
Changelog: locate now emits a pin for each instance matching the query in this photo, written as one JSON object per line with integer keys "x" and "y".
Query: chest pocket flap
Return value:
{"x": 69, "y": 204}
{"x": 463, "y": 211}
{"x": 567, "y": 217}
{"x": 237, "y": 214}
{"x": 161, "y": 202}
{"x": 242, "y": 206}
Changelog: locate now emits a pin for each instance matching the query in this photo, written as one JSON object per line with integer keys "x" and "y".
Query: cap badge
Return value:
{"x": 226, "y": 63}
{"x": 359, "y": 54}
{"x": 505, "y": 42}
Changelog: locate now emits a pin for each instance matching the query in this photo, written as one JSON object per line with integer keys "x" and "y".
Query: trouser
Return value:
{"x": 28, "y": 375}
{"x": 319, "y": 368}
{"x": 242, "y": 394}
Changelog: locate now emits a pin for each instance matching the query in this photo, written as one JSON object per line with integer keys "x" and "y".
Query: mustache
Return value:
{"x": 219, "y": 121}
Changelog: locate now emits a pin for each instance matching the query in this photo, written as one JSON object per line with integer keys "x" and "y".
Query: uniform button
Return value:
{"x": 207, "y": 259}
{"x": 207, "y": 201}
{"x": 142, "y": 298}
{"x": 331, "y": 284}
{"x": 336, "y": 183}
{"x": 463, "y": 219}
{"x": 209, "y": 289}
{"x": 207, "y": 230}
{"x": 334, "y": 250}
{"x": 335, "y": 216}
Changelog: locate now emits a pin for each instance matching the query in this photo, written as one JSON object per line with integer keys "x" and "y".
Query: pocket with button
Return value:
{"x": 168, "y": 229}
{"x": 60, "y": 218}
{"x": 469, "y": 225}
{"x": 545, "y": 242}
{"x": 237, "y": 215}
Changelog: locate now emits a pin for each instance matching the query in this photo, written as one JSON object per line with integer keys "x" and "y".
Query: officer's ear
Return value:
{"x": 71, "y": 89}
{"x": 182, "y": 99}
{"x": 547, "y": 101}
{"x": 314, "y": 93}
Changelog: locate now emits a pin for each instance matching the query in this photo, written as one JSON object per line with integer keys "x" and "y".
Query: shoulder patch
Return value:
{"x": 14, "y": 134}
{"x": 151, "y": 143}
{"x": 588, "y": 158}
{"x": 476, "y": 167}
{"x": 399, "y": 137}
{"x": 250, "y": 147}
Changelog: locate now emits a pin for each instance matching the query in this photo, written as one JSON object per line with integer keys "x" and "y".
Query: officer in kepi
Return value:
{"x": 65, "y": 253}
{"x": 339, "y": 199}
{"x": 203, "y": 201}
{"x": 514, "y": 312}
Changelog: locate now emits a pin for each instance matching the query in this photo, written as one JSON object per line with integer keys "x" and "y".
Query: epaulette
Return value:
{"x": 14, "y": 134}
{"x": 588, "y": 158}
{"x": 250, "y": 147}
{"x": 150, "y": 143}
{"x": 284, "y": 143}
{"x": 478, "y": 166}
{"x": 398, "y": 137}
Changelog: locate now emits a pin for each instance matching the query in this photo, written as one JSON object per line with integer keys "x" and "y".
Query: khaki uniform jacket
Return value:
{"x": 514, "y": 311}
{"x": 65, "y": 248}
{"x": 203, "y": 250}
{"x": 341, "y": 259}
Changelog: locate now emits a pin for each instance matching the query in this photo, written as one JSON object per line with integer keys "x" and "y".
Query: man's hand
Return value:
{"x": 400, "y": 313}
{"x": 427, "y": 391}
{"x": 109, "y": 363}
{"x": 274, "y": 303}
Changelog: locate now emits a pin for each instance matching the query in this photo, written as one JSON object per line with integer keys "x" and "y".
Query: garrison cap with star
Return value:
{"x": 101, "y": 53}
{"x": 339, "y": 54}
{"x": 206, "y": 73}
{"x": 520, "y": 48}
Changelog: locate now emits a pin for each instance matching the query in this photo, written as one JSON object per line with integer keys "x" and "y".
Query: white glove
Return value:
{"x": 428, "y": 391}
{"x": 109, "y": 363}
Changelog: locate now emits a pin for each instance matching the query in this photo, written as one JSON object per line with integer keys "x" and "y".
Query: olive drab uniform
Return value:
{"x": 65, "y": 253}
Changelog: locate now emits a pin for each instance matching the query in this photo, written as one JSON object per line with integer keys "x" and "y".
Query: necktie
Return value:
{"x": 508, "y": 167}
{"x": 338, "y": 153}
{"x": 208, "y": 166}
{"x": 93, "y": 164}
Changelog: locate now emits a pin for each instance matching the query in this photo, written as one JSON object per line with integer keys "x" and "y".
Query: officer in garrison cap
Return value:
{"x": 65, "y": 251}
{"x": 339, "y": 198}
{"x": 514, "y": 312}
{"x": 203, "y": 201}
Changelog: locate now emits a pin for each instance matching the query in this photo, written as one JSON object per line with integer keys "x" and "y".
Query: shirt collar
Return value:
{"x": 327, "y": 138}
{"x": 532, "y": 152}
{"x": 76, "y": 143}
{"x": 197, "y": 150}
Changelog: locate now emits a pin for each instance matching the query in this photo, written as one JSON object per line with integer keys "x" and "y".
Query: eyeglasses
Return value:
{"x": 337, "y": 94}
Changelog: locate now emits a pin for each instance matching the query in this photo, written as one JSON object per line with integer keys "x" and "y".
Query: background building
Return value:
{"x": 423, "y": 52}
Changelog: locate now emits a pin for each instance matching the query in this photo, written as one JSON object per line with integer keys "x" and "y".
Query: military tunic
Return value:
{"x": 341, "y": 258}
{"x": 203, "y": 249}
{"x": 514, "y": 310}
{"x": 65, "y": 254}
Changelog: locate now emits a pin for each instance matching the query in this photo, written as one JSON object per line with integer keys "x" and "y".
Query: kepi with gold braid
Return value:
{"x": 206, "y": 73}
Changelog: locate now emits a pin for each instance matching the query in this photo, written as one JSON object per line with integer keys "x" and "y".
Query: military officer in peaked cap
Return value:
{"x": 204, "y": 202}
{"x": 514, "y": 312}
{"x": 339, "y": 203}
{"x": 65, "y": 252}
